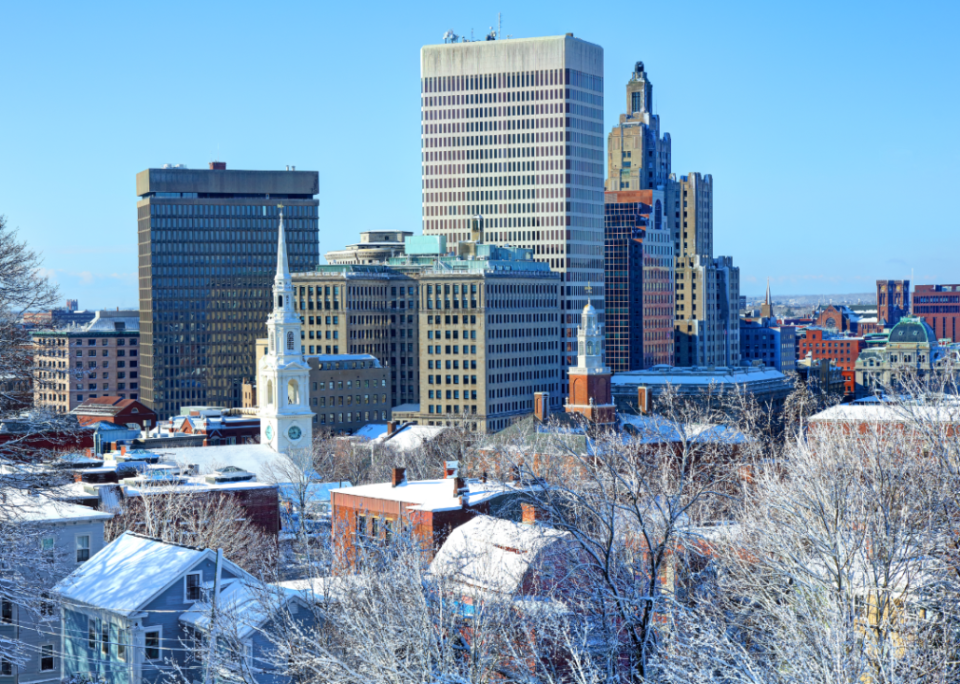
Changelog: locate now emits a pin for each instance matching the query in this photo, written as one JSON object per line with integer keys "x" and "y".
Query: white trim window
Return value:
{"x": 47, "y": 662}
{"x": 151, "y": 643}
{"x": 83, "y": 547}
{"x": 122, "y": 638}
{"x": 92, "y": 632}
{"x": 193, "y": 587}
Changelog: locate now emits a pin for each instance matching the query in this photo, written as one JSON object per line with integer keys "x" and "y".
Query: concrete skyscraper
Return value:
{"x": 512, "y": 132}
{"x": 208, "y": 252}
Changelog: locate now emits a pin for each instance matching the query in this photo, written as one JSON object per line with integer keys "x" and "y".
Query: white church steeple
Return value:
{"x": 286, "y": 421}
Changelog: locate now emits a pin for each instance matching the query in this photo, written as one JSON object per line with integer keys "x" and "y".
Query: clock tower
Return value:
{"x": 283, "y": 375}
{"x": 590, "y": 391}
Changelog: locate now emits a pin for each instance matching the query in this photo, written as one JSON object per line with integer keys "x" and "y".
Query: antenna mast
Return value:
{"x": 499, "y": 28}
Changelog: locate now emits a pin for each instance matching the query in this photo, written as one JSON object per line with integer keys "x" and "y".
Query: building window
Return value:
{"x": 83, "y": 548}
{"x": 192, "y": 586}
{"x": 151, "y": 645}
{"x": 6, "y": 668}
{"x": 92, "y": 634}
{"x": 46, "y": 657}
{"x": 290, "y": 341}
{"x": 6, "y": 612}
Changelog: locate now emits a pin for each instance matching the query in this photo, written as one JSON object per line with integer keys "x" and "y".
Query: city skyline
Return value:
{"x": 768, "y": 104}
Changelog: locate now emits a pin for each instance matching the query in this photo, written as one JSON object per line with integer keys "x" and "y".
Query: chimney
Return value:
{"x": 458, "y": 485}
{"x": 123, "y": 451}
{"x": 528, "y": 514}
{"x": 218, "y": 166}
{"x": 398, "y": 476}
{"x": 451, "y": 469}
{"x": 77, "y": 477}
{"x": 643, "y": 401}
{"x": 541, "y": 406}
{"x": 391, "y": 427}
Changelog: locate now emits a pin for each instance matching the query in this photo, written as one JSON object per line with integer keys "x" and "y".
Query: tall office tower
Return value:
{"x": 893, "y": 301}
{"x": 939, "y": 306}
{"x": 639, "y": 281}
{"x": 512, "y": 131}
{"x": 690, "y": 204}
{"x": 208, "y": 251}
{"x": 728, "y": 310}
{"x": 638, "y": 157}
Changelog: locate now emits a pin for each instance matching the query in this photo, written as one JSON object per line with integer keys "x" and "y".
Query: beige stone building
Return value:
{"x": 98, "y": 359}
{"x": 690, "y": 207}
{"x": 375, "y": 247}
{"x": 363, "y": 309}
{"x": 489, "y": 339}
{"x": 347, "y": 391}
{"x": 638, "y": 156}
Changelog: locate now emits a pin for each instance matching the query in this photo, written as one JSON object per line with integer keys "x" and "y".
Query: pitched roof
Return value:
{"x": 492, "y": 553}
{"x": 107, "y": 406}
{"x": 246, "y": 603}
{"x": 43, "y": 508}
{"x": 129, "y": 572}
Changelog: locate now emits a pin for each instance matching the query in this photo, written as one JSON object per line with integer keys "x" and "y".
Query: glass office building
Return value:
{"x": 207, "y": 257}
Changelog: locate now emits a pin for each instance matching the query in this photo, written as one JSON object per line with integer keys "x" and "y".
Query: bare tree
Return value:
{"x": 205, "y": 520}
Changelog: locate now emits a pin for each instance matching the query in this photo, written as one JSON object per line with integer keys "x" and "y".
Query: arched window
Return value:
{"x": 293, "y": 393}
{"x": 590, "y": 349}
{"x": 272, "y": 346}
{"x": 290, "y": 340}
{"x": 269, "y": 392}
{"x": 280, "y": 302}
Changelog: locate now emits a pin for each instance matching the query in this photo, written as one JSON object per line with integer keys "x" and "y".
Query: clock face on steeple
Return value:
{"x": 270, "y": 433}
{"x": 294, "y": 433}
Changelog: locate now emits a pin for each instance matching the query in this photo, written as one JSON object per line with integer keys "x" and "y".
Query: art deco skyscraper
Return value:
{"x": 512, "y": 131}
{"x": 208, "y": 252}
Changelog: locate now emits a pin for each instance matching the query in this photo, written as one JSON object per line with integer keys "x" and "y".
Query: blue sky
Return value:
{"x": 829, "y": 128}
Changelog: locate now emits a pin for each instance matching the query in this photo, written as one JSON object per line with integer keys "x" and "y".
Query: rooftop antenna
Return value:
{"x": 499, "y": 28}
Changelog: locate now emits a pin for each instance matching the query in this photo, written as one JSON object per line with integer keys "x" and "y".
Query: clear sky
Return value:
{"x": 830, "y": 128}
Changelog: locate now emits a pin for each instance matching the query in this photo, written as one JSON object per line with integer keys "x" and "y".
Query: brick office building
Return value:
{"x": 844, "y": 351}
{"x": 893, "y": 301}
{"x": 939, "y": 307}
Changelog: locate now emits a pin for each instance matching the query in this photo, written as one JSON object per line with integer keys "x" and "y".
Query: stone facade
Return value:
{"x": 375, "y": 247}
{"x": 911, "y": 347}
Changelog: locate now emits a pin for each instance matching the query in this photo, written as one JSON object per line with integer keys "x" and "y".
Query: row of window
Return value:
{"x": 334, "y": 418}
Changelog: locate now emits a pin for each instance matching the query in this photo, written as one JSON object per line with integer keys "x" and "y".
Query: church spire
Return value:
{"x": 766, "y": 309}
{"x": 768, "y": 291}
{"x": 283, "y": 267}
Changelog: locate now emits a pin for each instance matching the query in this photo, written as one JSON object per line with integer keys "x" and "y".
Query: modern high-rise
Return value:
{"x": 207, "y": 253}
{"x": 638, "y": 156}
{"x": 512, "y": 131}
{"x": 639, "y": 281}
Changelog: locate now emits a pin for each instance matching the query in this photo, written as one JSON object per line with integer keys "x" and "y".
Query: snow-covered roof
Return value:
{"x": 246, "y": 603}
{"x": 45, "y": 507}
{"x": 432, "y": 495}
{"x": 655, "y": 429}
{"x": 885, "y": 413}
{"x": 721, "y": 375}
{"x": 258, "y": 459}
{"x": 409, "y": 437}
{"x": 493, "y": 554}
{"x": 129, "y": 572}
{"x": 371, "y": 431}
{"x": 317, "y": 492}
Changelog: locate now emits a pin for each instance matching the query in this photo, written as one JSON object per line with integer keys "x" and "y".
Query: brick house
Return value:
{"x": 116, "y": 410}
{"x": 817, "y": 343}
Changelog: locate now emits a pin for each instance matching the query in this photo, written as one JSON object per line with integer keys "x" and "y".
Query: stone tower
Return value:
{"x": 286, "y": 421}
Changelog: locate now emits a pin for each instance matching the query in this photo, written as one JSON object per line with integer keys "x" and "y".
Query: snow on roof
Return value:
{"x": 128, "y": 572}
{"x": 885, "y": 413}
{"x": 22, "y": 507}
{"x": 493, "y": 554}
{"x": 432, "y": 495}
{"x": 409, "y": 437}
{"x": 246, "y": 603}
{"x": 317, "y": 492}
{"x": 657, "y": 429}
{"x": 258, "y": 459}
{"x": 722, "y": 375}
{"x": 371, "y": 431}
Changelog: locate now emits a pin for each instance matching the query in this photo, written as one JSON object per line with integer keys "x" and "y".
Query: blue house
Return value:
{"x": 135, "y": 612}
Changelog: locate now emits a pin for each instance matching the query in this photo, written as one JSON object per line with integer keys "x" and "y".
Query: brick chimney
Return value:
{"x": 218, "y": 166}
{"x": 458, "y": 486}
{"x": 541, "y": 406}
{"x": 528, "y": 514}
{"x": 451, "y": 469}
{"x": 643, "y": 400}
{"x": 398, "y": 476}
{"x": 391, "y": 427}
{"x": 123, "y": 451}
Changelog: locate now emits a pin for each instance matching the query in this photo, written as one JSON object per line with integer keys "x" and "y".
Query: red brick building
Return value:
{"x": 822, "y": 344}
{"x": 893, "y": 301}
{"x": 366, "y": 515}
{"x": 939, "y": 306}
{"x": 590, "y": 393}
{"x": 116, "y": 410}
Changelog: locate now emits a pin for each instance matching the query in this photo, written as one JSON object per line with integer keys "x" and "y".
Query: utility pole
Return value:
{"x": 212, "y": 636}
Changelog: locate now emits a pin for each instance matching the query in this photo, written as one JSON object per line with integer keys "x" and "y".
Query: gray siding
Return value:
{"x": 28, "y": 627}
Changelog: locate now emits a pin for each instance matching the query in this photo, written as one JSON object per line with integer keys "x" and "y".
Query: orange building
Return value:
{"x": 817, "y": 343}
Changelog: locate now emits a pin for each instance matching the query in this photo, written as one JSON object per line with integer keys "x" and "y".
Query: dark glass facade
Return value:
{"x": 623, "y": 295}
{"x": 207, "y": 258}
